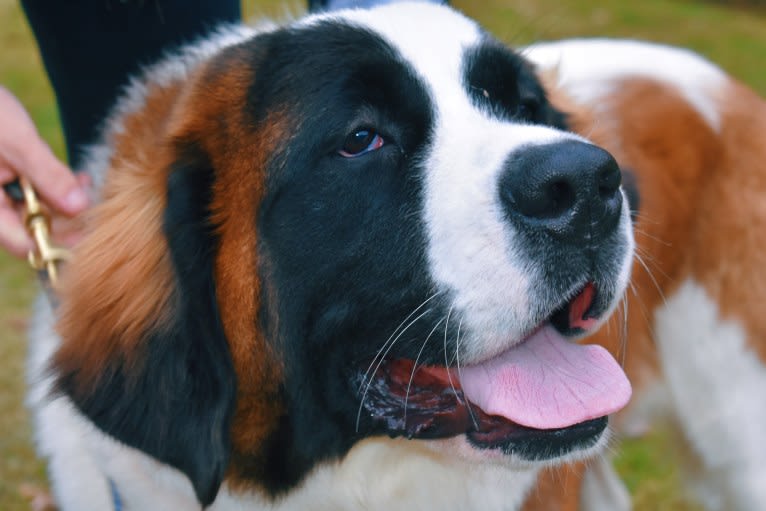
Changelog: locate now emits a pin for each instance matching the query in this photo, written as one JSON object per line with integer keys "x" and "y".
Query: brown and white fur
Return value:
{"x": 696, "y": 332}
{"x": 689, "y": 134}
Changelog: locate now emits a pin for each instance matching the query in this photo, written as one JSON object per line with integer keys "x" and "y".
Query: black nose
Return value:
{"x": 570, "y": 189}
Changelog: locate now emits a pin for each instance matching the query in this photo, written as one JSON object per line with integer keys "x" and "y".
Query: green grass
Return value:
{"x": 648, "y": 466}
{"x": 733, "y": 38}
{"x": 21, "y": 72}
{"x": 17, "y": 459}
{"x": 736, "y": 39}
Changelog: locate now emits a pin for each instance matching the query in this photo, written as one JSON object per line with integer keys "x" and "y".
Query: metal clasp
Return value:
{"x": 46, "y": 256}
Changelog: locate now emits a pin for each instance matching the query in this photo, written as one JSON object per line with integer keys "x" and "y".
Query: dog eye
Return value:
{"x": 361, "y": 142}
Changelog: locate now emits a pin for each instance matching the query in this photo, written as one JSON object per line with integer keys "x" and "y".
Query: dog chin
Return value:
{"x": 460, "y": 448}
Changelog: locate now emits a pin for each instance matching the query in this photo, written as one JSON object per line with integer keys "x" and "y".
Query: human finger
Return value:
{"x": 27, "y": 155}
{"x": 13, "y": 235}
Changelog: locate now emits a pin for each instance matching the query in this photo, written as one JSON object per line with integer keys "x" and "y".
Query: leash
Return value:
{"x": 46, "y": 257}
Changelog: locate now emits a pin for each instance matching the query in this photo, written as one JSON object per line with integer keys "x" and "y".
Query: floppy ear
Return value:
{"x": 144, "y": 354}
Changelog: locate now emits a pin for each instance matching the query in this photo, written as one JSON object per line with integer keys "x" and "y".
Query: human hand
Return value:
{"x": 24, "y": 154}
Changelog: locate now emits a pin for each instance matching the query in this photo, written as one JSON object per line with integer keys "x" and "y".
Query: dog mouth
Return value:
{"x": 540, "y": 399}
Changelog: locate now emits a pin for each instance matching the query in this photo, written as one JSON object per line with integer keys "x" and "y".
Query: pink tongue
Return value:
{"x": 548, "y": 382}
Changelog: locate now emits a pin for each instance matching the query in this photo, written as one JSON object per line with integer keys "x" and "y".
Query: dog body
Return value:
{"x": 696, "y": 336}
{"x": 334, "y": 265}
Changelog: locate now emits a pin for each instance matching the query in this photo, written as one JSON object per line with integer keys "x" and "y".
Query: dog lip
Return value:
{"x": 580, "y": 313}
{"x": 520, "y": 439}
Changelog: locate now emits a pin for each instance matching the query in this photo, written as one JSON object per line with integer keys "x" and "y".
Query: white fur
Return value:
{"x": 590, "y": 69}
{"x": 718, "y": 385}
{"x": 60, "y": 432}
{"x": 602, "y": 488}
{"x": 471, "y": 247}
{"x": 382, "y": 474}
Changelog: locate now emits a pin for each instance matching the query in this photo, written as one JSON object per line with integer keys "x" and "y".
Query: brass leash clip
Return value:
{"x": 46, "y": 256}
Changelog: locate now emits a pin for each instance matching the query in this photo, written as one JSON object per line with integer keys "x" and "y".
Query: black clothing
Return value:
{"x": 91, "y": 47}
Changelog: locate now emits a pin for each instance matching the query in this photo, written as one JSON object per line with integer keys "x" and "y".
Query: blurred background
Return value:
{"x": 731, "y": 33}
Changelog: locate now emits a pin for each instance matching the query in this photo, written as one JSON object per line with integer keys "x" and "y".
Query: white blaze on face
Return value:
{"x": 472, "y": 247}
{"x": 471, "y": 244}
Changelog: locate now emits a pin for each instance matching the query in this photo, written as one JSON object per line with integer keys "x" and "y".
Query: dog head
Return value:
{"x": 366, "y": 223}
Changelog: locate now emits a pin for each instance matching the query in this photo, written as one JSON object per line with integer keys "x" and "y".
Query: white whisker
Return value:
{"x": 383, "y": 347}
{"x": 446, "y": 328}
{"x": 415, "y": 367}
{"x": 384, "y": 350}
{"x": 380, "y": 363}
{"x": 651, "y": 276}
{"x": 624, "y": 337}
{"x": 446, "y": 362}
{"x": 652, "y": 237}
{"x": 460, "y": 375}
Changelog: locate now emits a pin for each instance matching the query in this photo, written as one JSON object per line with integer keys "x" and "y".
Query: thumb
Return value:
{"x": 27, "y": 155}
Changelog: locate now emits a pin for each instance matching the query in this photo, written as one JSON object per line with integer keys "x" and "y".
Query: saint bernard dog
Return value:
{"x": 691, "y": 141}
{"x": 336, "y": 265}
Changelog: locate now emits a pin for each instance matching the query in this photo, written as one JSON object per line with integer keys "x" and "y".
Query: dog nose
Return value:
{"x": 570, "y": 189}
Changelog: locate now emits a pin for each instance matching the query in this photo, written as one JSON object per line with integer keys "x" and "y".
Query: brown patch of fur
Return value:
{"x": 120, "y": 282}
{"x": 215, "y": 120}
{"x": 557, "y": 489}
{"x": 702, "y": 210}
{"x": 727, "y": 252}
{"x": 702, "y": 214}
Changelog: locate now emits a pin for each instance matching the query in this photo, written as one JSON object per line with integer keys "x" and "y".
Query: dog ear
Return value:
{"x": 144, "y": 355}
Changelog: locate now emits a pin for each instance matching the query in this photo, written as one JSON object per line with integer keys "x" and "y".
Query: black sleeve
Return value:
{"x": 91, "y": 47}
